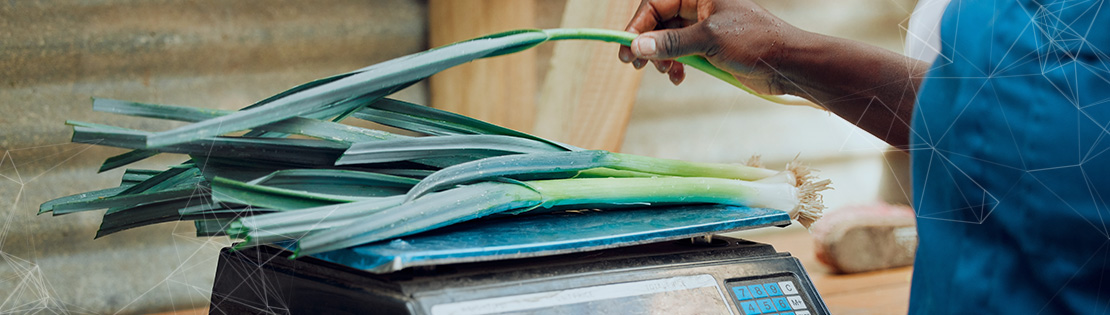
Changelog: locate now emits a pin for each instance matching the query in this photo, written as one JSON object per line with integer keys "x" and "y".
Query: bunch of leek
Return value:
{"x": 340, "y": 186}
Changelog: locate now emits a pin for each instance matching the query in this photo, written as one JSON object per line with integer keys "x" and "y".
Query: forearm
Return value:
{"x": 871, "y": 87}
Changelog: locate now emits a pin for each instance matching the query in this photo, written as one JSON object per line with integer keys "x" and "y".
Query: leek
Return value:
{"x": 346, "y": 186}
{"x": 469, "y": 202}
{"x": 578, "y": 161}
{"x": 344, "y": 94}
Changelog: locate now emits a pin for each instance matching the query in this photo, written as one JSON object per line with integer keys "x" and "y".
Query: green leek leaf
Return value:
{"x": 327, "y": 96}
{"x": 273, "y": 227}
{"x": 448, "y": 122}
{"x": 226, "y": 190}
{"x": 84, "y": 197}
{"x": 441, "y": 146}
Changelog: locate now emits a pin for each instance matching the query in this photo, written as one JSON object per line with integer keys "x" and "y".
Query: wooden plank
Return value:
{"x": 195, "y": 311}
{"x": 500, "y": 90}
{"x": 880, "y": 300}
{"x": 587, "y": 95}
{"x": 876, "y": 292}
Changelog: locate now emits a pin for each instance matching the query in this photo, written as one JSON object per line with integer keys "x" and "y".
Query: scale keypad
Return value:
{"x": 778, "y": 296}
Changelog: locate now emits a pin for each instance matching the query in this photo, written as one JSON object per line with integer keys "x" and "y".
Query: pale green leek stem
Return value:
{"x": 602, "y": 172}
{"x": 780, "y": 196}
{"x": 682, "y": 168}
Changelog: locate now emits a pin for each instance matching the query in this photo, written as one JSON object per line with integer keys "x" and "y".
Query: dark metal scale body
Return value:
{"x": 634, "y": 261}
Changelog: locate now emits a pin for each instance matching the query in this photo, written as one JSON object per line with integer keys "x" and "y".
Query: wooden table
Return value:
{"x": 877, "y": 292}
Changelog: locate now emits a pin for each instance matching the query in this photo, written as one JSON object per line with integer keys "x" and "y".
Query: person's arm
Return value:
{"x": 869, "y": 86}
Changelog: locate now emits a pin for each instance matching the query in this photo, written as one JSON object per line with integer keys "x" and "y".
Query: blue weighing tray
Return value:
{"x": 552, "y": 234}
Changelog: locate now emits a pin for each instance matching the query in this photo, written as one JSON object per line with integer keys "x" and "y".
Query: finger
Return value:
{"x": 673, "y": 43}
{"x": 693, "y": 10}
{"x": 676, "y": 23}
{"x": 662, "y": 65}
{"x": 639, "y": 63}
{"x": 648, "y": 15}
{"x": 625, "y": 54}
{"x": 677, "y": 73}
{"x": 643, "y": 20}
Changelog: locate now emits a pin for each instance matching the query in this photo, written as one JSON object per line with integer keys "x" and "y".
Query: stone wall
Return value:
{"x": 55, "y": 55}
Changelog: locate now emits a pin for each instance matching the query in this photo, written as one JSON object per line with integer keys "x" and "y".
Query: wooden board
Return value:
{"x": 499, "y": 90}
{"x": 587, "y": 95}
{"x": 876, "y": 292}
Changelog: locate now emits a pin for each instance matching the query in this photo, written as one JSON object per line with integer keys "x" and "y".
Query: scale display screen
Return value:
{"x": 779, "y": 295}
{"x": 698, "y": 294}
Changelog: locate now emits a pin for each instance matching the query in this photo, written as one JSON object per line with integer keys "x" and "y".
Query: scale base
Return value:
{"x": 673, "y": 277}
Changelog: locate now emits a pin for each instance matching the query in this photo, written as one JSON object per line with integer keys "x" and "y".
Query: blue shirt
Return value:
{"x": 1011, "y": 161}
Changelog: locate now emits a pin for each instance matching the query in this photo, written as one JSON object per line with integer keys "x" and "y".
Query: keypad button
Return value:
{"x": 757, "y": 290}
{"x": 781, "y": 304}
{"x": 766, "y": 305}
{"x": 788, "y": 287}
{"x": 741, "y": 293}
{"x": 749, "y": 307}
{"x": 772, "y": 289}
{"x": 787, "y": 313}
{"x": 796, "y": 302}
{"x": 801, "y": 313}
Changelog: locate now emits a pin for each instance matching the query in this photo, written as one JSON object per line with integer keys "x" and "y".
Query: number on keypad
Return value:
{"x": 741, "y": 293}
{"x": 781, "y": 304}
{"x": 749, "y": 307}
{"x": 757, "y": 290}
{"x": 766, "y": 306}
{"x": 772, "y": 289}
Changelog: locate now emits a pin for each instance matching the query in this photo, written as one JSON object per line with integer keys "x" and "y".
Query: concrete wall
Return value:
{"x": 55, "y": 55}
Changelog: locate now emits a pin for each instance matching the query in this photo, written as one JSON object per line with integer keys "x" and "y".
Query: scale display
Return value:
{"x": 657, "y": 296}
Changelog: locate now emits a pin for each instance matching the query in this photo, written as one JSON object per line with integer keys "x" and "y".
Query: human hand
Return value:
{"x": 737, "y": 36}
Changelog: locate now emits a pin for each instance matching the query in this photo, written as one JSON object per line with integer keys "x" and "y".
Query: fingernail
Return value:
{"x": 646, "y": 46}
{"x": 676, "y": 80}
{"x": 625, "y": 58}
{"x": 638, "y": 63}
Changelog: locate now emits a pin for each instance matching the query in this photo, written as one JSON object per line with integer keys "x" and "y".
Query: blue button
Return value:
{"x": 772, "y": 289}
{"x": 765, "y": 305}
{"x": 741, "y": 293}
{"x": 749, "y": 307}
{"x": 757, "y": 290}
{"x": 781, "y": 303}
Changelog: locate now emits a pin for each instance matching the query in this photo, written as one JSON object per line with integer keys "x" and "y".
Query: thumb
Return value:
{"x": 671, "y": 43}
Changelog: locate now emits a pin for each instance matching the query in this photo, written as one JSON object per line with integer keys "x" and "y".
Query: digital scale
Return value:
{"x": 651, "y": 260}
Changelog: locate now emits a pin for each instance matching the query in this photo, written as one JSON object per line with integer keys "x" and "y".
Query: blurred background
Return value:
{"x": 56, "y": 54}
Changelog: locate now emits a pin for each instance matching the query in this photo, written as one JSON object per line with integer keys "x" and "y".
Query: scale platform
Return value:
{"x": 629, "y": 261}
